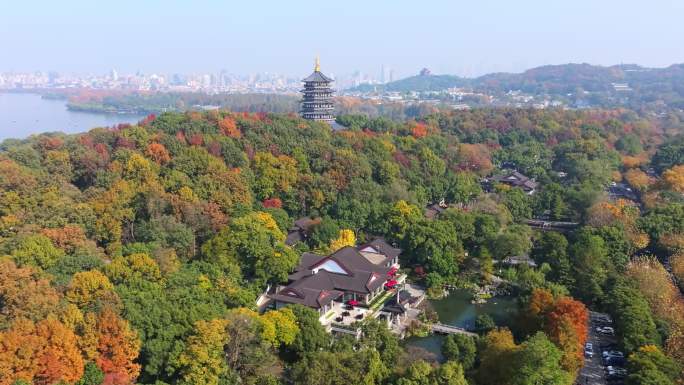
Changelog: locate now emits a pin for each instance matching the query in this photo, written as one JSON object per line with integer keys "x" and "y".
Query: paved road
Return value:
{"x": 593, "y": 372}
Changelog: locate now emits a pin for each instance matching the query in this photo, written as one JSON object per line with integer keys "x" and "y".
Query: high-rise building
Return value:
{"x": 317, "y": 101}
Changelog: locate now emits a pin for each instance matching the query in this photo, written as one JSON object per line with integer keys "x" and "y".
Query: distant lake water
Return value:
{"x": 24, "y": 114}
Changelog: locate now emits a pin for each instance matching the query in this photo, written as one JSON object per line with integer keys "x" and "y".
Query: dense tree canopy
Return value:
{"x": 136, "y": 254}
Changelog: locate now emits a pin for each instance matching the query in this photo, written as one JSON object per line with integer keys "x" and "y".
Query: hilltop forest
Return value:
{"x": 576, "y": 84}
{"x": 135, "y": 254}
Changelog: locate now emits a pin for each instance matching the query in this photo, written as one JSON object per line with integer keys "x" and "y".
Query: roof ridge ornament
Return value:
{"x": 317, "y": 66}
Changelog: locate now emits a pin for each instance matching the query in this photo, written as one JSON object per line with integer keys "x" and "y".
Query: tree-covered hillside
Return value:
{"x": 135, "y": 254}
{"x": 646, "y": 86}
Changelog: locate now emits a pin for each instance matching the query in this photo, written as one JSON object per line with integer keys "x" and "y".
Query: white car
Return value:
{"x": 612, "y": 353}
{"x": 606, "y": 330}
{"x": 589, "y": 350}
{"x": 614, "y": 371}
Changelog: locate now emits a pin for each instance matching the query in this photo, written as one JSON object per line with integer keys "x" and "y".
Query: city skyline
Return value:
{"x": 207, "y": 36}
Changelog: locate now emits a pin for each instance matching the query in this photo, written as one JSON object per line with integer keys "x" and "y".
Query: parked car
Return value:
{"x": 607, "y": 330}
{"x": 614, "y": 372}
{"x": 612, "y": 353}
{"x": 605, "y": 347}
{"x": 614, "y": 361}
{"x": 589, "y": 350}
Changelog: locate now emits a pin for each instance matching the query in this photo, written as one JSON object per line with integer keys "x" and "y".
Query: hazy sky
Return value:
{"x": 460, "y": 37}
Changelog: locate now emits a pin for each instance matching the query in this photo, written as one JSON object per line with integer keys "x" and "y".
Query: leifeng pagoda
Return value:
{"x": 317, "y": 102}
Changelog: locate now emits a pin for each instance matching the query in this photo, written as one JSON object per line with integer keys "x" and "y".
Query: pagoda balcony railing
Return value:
{"x": 317, "y": 103}
{"x": 315, "y": 113}
{"x": 318, "y": 89}
{"x": 312, "y": 110}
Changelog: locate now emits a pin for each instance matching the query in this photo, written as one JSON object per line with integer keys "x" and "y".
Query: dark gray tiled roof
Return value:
{"x": 304, "y": 223}
{"x": 517, "y": 179}
{"x": 383, "y": 247}
{"x": 293, "y": 237}
{"x": 317, "y": 289}
{"x": 317, "y": 76}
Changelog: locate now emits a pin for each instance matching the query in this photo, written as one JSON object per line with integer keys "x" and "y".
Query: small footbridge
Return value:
{"x": 440, "y": 328}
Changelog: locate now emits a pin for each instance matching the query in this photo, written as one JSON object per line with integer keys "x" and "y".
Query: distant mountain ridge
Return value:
{"x": 550, "y": 79}
{"x": 418, "y": 83}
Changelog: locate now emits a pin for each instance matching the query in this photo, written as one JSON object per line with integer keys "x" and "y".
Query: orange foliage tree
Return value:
{"x": 566, "y": 326}
{"x": 60, "y": 359}
{"x": 158, "y": 153}
{"x": 674, "y": 178}
{"x": 117, "y": 347}
{"x": 43, "y": 353}
{"x": 19, "y": 349}
{"x": 419, "y": 130}
{"x": 67, "y": 238}
{"x": 564, "y": 320}
{"x": 474, "y": 157}
{"x": 637, "y": 179}
{"x": 634, "y": 161}
{"x": 228, "y": 127}
{"x": 24, "y": 293}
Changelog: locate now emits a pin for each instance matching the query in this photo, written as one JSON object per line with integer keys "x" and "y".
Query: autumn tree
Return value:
{"x": 566, "y": 326}
{"x": 475, "y": 158}
{"x": 202, "y": 362}
{"x": 158, "y": 153}
{"x": 24, "y": 293}
{"x": 229, "y": 127}
{"x": 60, "y": 359}
{"x": 664, "y": 299}
{"x": 674, "y": 178}
{"x": 90, "y": 290}
{"x": 279, "y": 327}
{"x": 134, "y": 266}
{"x": 43, "y": 353}
{"x": 637, "y": 179}
{"x": 117, "y": 348}
{"x": 67, "y": 238}
{"x": 345, "y": 237}
{"x": 19, "y": 349}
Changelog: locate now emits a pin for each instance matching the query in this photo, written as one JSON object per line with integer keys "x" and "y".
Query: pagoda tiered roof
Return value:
{"x": 317, "y": 76}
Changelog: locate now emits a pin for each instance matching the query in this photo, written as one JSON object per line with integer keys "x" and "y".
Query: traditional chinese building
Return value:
{"x": 357, "y": 274}
{"x": 317, "y": 101}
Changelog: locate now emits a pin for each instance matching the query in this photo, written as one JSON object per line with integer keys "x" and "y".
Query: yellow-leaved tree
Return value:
{"x": 674, "y": 178}
{"x": 202, "y": 361}
{"x": 91, "y": 289}
{"x": 344, "y": 238}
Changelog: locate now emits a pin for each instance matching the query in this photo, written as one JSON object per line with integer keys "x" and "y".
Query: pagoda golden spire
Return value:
{"x": 317, "y": 66}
